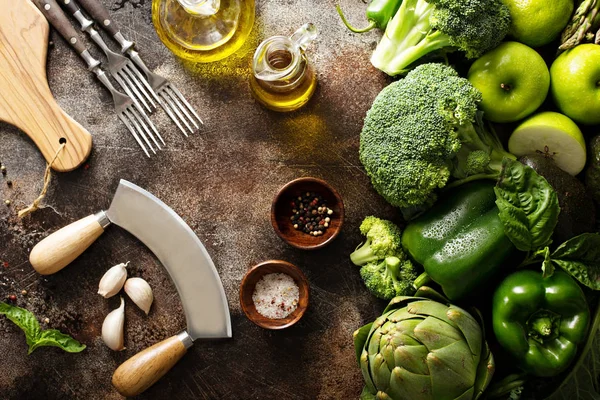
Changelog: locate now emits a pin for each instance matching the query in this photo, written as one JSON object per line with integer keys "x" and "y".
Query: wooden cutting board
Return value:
{"x": 25, "y": 98}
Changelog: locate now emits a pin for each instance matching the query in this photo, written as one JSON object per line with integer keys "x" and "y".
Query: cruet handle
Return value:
{"x": 304, "y": 36}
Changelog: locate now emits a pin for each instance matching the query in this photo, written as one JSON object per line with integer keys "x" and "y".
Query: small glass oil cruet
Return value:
{"x": 283, "y": 79}
{"x": 203, "y": 30}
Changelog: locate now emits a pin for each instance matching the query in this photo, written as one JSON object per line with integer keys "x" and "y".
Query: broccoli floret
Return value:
{"x": 419, "y": 133}
{"x": 389, "y": 277}
{"x": 383, "y": 239}
{"x": 420, "y": 27}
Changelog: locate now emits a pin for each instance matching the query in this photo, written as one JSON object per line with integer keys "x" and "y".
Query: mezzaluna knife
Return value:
{"x": 178, "y": 249}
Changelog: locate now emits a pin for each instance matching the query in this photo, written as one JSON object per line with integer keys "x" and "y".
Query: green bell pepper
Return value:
{"x": 540, "y": 321}
{"x": 460, "y": 242}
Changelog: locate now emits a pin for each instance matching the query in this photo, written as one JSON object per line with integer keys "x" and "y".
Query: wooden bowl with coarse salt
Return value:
{"x": 266, "y": 275}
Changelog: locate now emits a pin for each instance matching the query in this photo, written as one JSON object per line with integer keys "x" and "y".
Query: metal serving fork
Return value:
{"x": 121, "y": 68}
{"x": 172, "y": 101}
{"x": 129, "y": 112}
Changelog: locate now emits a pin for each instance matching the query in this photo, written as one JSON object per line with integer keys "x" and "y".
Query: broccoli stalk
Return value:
{"x": 480, "y": 155}
{"x": 420, "y": 27}
{"x": 383, "y": 239}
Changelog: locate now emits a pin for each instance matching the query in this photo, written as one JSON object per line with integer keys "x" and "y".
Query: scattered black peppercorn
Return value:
{"x": 310, "y": 214}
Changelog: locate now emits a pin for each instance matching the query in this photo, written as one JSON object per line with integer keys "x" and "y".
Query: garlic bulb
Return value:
{"x": 113, "y": 280}
{"x": 112, "y": 328}
{"x": 140, "y": 292}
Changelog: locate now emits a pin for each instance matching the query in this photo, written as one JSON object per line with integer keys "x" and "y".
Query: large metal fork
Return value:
{"x": 171, "y": 99}
{"x": 128, "y": 111}
{"x": 121, "y": 68}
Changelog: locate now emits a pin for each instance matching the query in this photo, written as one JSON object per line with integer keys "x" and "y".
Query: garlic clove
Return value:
{"x": 140, "y": 292}
{"x": 112, "y": 328}
{"x": 113, "y": 280}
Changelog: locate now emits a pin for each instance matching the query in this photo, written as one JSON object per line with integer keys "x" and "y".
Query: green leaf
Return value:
{"x": 580, "y": 258}
{"x": 582, "y": 382}
{"x": 528, "y": 206}
{"x": 24, "y": 320}
{"x": 34, "y": 335}
{"x": 53, "y": 337}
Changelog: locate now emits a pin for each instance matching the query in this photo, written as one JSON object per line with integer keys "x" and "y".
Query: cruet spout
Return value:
{"x": 279, "y": 57}
{"x": 304, "y": 36}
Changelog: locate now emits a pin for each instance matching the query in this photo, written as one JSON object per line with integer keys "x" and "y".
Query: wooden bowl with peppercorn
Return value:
{"x": 307, "y": 213}
{"x": 274, "y": 294}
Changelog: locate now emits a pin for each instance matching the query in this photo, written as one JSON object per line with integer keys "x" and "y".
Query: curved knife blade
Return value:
{"x": 178, "y": 248}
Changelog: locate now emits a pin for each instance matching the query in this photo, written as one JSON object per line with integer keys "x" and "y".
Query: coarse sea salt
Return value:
{"x": 276, "y": 296}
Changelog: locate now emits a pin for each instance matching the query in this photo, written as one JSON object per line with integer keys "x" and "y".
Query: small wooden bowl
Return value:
{"x": 249, "y": 283}
{"x": 281, "y": 211}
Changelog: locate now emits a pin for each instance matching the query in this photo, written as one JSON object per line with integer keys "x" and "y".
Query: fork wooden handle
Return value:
{"x": 58, "y": 19}
{"x": 100, "y": 14}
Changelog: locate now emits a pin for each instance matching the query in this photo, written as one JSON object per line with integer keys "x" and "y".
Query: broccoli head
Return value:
{"x": 420, "y": 27}
{"x": 423, "y": 131}
{"x": 383, "y": 239}
{"x": 389, "y": 277}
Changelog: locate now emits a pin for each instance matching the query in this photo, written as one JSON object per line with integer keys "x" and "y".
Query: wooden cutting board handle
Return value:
{"x": 25, "y": 98}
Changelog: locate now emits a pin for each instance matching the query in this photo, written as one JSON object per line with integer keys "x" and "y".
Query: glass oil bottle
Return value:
{"x": 283, "y": 79}
{"x": 203, "y": 30}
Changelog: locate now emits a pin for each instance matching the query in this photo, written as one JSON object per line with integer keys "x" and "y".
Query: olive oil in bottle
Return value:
{"x": 283, "y": 79}
{"x": 203, "y": 30}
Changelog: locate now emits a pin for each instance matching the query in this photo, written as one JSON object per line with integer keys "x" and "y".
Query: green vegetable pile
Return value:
{"x": 481, "y": 229}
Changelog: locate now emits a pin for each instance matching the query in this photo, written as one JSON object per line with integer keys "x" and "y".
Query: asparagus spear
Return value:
{"x": 584, "y": 25}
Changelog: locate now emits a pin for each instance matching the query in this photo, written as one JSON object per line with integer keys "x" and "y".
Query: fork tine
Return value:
{"x": 184, "y": 101}
{"x": 183, "y": 108}
{"x": 167, "y": 98}
{"x": 135, "y": 135}
{"x": 133, "y": 117}
{"x": 167, "y": 109}
{"x": 144, "y": 122}
{"x": 151, "y": 124}
{"x": 136, "y": 81}
{"x": 129, "y": 89}
{"x": 144, "y": 81}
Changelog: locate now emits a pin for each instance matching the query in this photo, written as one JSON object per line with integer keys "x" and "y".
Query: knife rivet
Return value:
{"x": 67, "y": 1}
{"x": 106, "y": 22}
{"x": 47, "y": 7}
{"x": 73, "y": 40}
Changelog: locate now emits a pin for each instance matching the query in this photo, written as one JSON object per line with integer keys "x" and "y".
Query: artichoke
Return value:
{"x": 423, "y": 349}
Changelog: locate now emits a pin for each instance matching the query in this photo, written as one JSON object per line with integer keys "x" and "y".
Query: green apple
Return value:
{"x": 576, "y": 83}
{"x": 513, "y": 80}
{"x": 553, "y": 134}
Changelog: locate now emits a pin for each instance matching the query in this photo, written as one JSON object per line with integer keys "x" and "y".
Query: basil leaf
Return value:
{"x": 24, "y": 320}
{"x": 528, "y": 206}
{"x": 580, "y": 258}
{"x": 53, "y": 337}
{"x": 34, "y": 335}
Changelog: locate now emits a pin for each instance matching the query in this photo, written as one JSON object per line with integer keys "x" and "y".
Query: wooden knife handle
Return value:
{"x": 58, "y": 19}
{"x": 63, "y": 246}
{"x": 100, "y": 14}
{"x": 148, "y": 366}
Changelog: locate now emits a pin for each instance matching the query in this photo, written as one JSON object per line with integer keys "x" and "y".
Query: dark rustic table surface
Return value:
{"x": 221, "y": 181}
